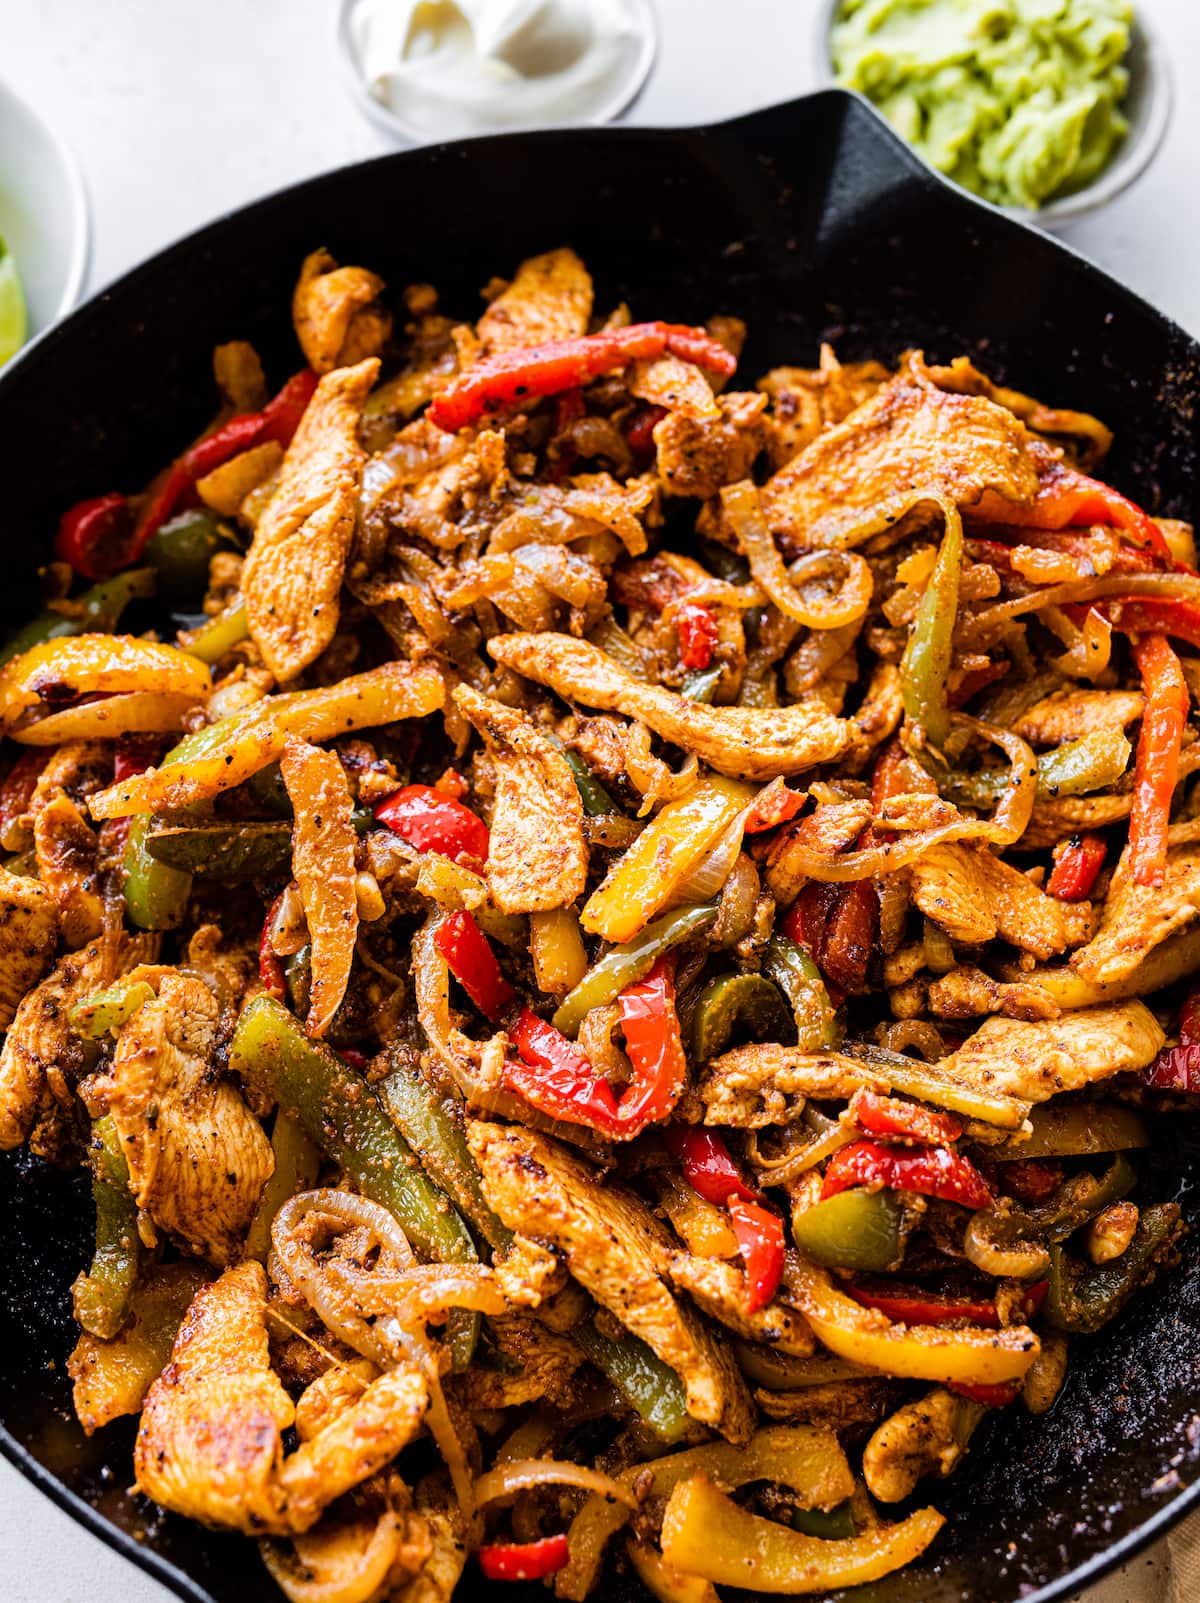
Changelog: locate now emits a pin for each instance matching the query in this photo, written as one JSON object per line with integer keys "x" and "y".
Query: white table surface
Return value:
{"x": 182, "y": 109}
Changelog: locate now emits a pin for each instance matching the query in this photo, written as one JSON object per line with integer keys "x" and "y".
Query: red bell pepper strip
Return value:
{"x": 1156, "y": 768}
{"x": 534, "y": 371}
{"x": 991, "y": 1396}
{"x": 270, "y": 967}
{"x": 16, "y": 791}
{"x": 282, "y": 413}
{"x": 654, "y": 1046}
{"x": 1176, "y": 1068}
{"x": 707, "y": 1165}
{"x": 524, "y": 1561}
{"x": 839, "y": 925}
{"x": 1168, "y": 615}
{"x": 907, "y": 1305}
{"x": 134, "y": 754}
{"x": 759, "y": 1233}
{"x": 698, "y": 635}
{"x": 932, "y": 1172}
{"x": 889, "y": 1116}
{"x": 1067, "y": 498}
{"x": 1189, "y": 1021}
{"x": 433, "y": 822}
{"x": 639, "y": 433}
{"x": 471, "y": 960}
{"x": 94, "y": 535}
{"x": 1030, "y": 1179}
{"x": 1076, "y": 866}
{"x": 776, "y": 806}
{"x": 557, "y": 1076}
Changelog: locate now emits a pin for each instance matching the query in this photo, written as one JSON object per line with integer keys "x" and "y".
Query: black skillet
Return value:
{"x": 811, "y": 221}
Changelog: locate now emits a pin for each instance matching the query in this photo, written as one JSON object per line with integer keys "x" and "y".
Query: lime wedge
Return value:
{"x": 12, "y": 307}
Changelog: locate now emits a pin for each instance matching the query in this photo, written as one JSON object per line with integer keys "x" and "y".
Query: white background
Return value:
{"x": 182, "y": 109}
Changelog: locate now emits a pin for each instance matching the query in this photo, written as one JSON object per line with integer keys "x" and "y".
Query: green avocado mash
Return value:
{"x": 1018, "y": 100}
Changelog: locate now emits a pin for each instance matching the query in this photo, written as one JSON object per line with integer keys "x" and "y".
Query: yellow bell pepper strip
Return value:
{"x": 95, "y": 610}
{"x": 136, "y": 712}
{"x": 297, "y": 1165}
{"x": 793, "y": 970}
{"x": 854, "y": 1230}
{"x": 1083, "y": 1299}
{"x": 426, "y": 1119}
{"x": 336, "y": 1109}
{"x": 807, "y": 1459}
{"x": 556, "y": 950}
{"x": 914, "y": 1352}
{"x": 625, "y": 965}
{"x": 707, "y": 1534}
{"x": 1157, "y": 768}
{"x": 925, "y": 666}
{"x": 239, "y": 746}
{"x": 652, "y": 1390}
{"x": 745, "y": 1003}
{"x": 644, "y": 879}
{"x": 81, "y": 665}
{"x": 665, "y": 1584}
{"x": 101, "y": 1297}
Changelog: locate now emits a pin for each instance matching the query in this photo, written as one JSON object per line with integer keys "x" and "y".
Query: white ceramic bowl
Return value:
{"x": 43, "y": 212}
{"x": 403, "y": 133}
{"x": 1147, "y": 105}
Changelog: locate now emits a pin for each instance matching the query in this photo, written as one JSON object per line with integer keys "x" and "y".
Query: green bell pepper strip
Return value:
{"x": 733, "y": 1001}
{"x": 109, "y": 1009}
{"x": 156, "y": 895}
{"x": 225, "y": 850}
{"x": 297, "y": 1164}
{"x": 597, "y": 803}
{"x": 832, "y": 1525}
{"x": 1082, "y": 1299}
{"x": 701, "y": 686}
{"x": 853, "y": 1230}
{"x": 925, "y": 666}
{"x": 927, "y": 1083}
{"x": 101, "y": 1297}
{"x": 654, "y": 1391}
{"x": 214, "y": 639}
{"x": 100, "y": 610}
{"x": 180, "y": 551}
{"x": 338, "y": 1110}
{"x": 1093, "y": 762}
{"x": 625, "y": 965}
{"x": 435, "y": 1135}
{"x": 792, "y": 969}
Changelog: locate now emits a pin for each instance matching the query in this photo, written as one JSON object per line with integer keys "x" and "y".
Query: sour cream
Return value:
{"x": 445, "y": 68}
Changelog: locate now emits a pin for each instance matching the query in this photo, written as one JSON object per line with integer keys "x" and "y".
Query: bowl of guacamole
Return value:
{"x": 1045, "y": 107}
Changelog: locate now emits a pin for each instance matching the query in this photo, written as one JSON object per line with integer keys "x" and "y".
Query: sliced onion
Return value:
{"x": 506, "y": 1480}
{"x": 653, "y": 777}
{"x": 743, "y": 513}
{"x": 976, "y": 631}
{"x": 343, "y": 1563}
{"x": 1088, "y": 649}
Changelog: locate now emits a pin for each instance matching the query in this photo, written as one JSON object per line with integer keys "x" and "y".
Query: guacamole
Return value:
{"x": 1018, "y": 100}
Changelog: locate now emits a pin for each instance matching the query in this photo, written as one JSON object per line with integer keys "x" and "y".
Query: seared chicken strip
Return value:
{"x": 293, "y": 575}
{"x": 975, "y": 897}
{"x": 210, "y": 1443}
{"x": 28, "y": 935}
{"x": 550, "y": 298}
{"x": 617, "y": 1250}
{"x": 1137, "y": 918}
{"x": 198, "y": 1158}
{"x": 1035, "y": 1060}
{"x": 745, "y": 742}
{"x": 537, "y": 859}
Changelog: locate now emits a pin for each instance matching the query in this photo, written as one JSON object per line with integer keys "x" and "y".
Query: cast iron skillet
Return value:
{"x": 810, "y": 220}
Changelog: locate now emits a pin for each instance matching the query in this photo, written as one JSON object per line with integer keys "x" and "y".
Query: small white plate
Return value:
{"x": 43, "y": 212}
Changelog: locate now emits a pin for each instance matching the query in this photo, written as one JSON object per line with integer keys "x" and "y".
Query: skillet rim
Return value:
{"x": 905, "y": 162}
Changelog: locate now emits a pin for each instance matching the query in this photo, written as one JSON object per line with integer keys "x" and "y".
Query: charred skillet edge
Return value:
{"x": 865, "y": 139}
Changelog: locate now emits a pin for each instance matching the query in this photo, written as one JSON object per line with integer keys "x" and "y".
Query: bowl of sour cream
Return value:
{"x": 443, "y": 69}
{"x": 1048, "y": 109}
